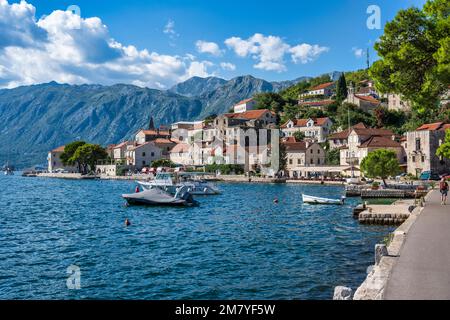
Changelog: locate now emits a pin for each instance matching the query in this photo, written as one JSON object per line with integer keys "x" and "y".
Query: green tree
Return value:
{"x": 356, "y": 116}
{"x": 380, "y": 163}
{"x": 444, "y": 149}
{"x": 341, "y": 89}
{"x": 298, "y": 135}
{"x": 333, "y": 157}
{"x": 69, "y": 150}
{"x": 163, "y": 163}
{"x": 414, "y": 56}
{"x": 269, "y": 100}
{"x": 87, "y": 155}
{"x": 283, "y": 156}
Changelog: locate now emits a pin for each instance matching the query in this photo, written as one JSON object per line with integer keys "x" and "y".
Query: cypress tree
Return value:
{"x": 341, "y": 91}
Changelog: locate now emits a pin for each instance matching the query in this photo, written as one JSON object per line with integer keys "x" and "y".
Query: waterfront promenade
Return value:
{"x": 422, "y": 270}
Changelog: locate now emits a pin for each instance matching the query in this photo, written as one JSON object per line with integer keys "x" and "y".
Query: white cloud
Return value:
{"x": 69, "y": 49}
{"x": 169, "y": 28}
{"x": 269, "y": 51}
{"x": 227, "y": 66}
{"x": 305, "y": 53}
{"x": 208, "y": 47}
{"x": 359, "y": 53}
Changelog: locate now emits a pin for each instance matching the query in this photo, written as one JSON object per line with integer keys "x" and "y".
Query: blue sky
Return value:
{"x": 274, "y": 40}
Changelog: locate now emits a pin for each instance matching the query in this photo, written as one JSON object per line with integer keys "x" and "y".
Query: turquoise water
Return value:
{"x": 238, "y": 245}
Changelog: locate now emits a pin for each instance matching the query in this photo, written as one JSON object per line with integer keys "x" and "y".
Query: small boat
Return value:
{"x": 319, "y": 200}
{"x": 159, "y": 197}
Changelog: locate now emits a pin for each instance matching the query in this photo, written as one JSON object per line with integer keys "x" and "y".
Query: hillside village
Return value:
{"x": 321, "y": 144}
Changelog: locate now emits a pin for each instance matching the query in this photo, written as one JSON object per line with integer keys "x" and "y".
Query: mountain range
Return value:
{"x": 38, "y": 118}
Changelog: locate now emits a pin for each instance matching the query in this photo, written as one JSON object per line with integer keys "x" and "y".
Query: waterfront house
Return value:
{"x": 421, "y": 146}
{"x": 340, "y": 139}
{"x": 361, "y": 141}
{"x": 120, "y": 150}
{"x": 142, "y": 155}
{"x": 55, "y": 163}
{"x": 244, "y": 105}
{"x": 300, "y": 154}
{"x": 316, "y": 129}
{"x": 181, "y": 154}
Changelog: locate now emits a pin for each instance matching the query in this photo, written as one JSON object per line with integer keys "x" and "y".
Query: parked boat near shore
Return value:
{"x": 319, "y": 200}
{"x": 196, "y": 186}
{"x": 158, "y": 197}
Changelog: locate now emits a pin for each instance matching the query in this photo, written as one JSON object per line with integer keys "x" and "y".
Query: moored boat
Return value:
{"x": 320, "y": 200}
{"x": 159, "y": 197}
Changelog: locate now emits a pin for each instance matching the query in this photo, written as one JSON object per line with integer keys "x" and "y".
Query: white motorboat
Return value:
{"x": 319, "y": 200}
{"x": 159, "y": 197}
{"x": 165, "y": 182}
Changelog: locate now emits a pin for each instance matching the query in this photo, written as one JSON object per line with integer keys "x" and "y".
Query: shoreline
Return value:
{"x": 386, "y": 256}
{"x": 223, "y": 178}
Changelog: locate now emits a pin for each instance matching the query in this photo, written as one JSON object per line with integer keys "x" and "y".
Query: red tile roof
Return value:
{"x": 59, "y": 149}
{"x": 295, "y": 146}
{"x": 155, "y": 132}
{"x": 368, "y": 99}
{"x": 373, "y": 132}
{"x": 180, "y": 147}
{"x": 303, "y": 122}
{"x": 380, "y": 142}
{"x": 244, "y": 101}
{"x": 433, "y": 126}
{"x": 249, "y": 115}
{"x": 163, "y": 141}
{"x": 344, "y": 134}
{"x": 322, "y": 86}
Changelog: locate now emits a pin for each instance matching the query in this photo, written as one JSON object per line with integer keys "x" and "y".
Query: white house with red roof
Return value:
{"x": 314, "y": 128}
{"x": 421, "y": 146}
{"x": 324, "y": 89}
{"x": 244, "y": 105}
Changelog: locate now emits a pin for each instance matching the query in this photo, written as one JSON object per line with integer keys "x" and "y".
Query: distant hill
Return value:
{"x": 38, "y": 118}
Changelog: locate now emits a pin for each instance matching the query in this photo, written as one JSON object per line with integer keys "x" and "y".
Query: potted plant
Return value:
{"x": 375, "y": 185}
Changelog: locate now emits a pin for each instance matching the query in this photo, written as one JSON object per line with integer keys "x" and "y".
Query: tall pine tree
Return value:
{"x": 341, "y": 90}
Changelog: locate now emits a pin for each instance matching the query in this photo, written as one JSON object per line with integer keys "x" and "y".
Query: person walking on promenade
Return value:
{"x": 443, "y": 188}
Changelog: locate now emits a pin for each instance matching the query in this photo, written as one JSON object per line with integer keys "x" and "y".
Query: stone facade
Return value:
{"x": 421, "y": 146}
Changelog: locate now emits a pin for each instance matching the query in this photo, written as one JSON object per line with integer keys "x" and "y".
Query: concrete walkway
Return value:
{"x": 423, "y": 268}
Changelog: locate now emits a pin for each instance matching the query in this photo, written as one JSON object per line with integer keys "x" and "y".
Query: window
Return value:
{"x": 299, "y": 161}
{"x": 413, "y": 159}
{"x": 318, "y": 161}
{"x": 423, "y": 158}
{"x": 312, "y": 151}
{"x": 152, "y": 154}
{"x": 290, "y": 161}
{"x": 417, "y": 144}
{"x": 143, "y": 154}
{"x": 143, "y": 162}
{"x": 318, "y": 151}
{"x": 311, "y": 161}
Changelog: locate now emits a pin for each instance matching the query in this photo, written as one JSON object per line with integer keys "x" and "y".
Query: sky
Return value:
{"x": 157, "y": 44}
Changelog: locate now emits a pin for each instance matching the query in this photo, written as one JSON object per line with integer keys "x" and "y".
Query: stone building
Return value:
{"x": 421, "y": 146}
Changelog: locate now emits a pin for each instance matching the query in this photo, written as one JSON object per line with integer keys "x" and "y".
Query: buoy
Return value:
{"x": 275, "y": 200}
{"x": 127, "y": 222}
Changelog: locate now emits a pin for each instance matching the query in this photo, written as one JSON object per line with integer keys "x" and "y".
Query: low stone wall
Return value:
{"x": 60, "y": 175}
{"x": 241, "y": 178}
{"x": 386, "y": 257}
